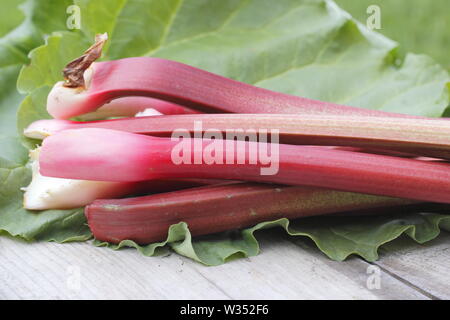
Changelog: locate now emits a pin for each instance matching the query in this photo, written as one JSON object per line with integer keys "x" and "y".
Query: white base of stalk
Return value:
{"x": 44, "y": 193}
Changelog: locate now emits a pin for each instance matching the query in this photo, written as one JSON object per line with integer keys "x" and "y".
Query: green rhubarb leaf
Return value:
{"x": 303, "y": 47}
{"x": 431, "y": 38}
{"x": 337, "y": 237}
{"x": 37, "y": 18}
{"x": 48, "y": 61}
{"x": 10, "y": 17}
{"x": 51, "y": 225}
{"x": 54, "y": 225}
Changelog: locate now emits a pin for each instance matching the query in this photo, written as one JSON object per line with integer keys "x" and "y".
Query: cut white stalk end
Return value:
{"x": 43, "y": 128}
{"x": 64, "y": 102}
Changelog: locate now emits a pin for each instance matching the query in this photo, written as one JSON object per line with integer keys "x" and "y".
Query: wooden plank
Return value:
{"x": 282, "y": 271}
{"x": 287, "y": 271}
{"x": 82, "y": 271}
{"x": 424, "y": 266}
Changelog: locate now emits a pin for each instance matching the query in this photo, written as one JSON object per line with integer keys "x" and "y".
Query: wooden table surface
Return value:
{"x": 285, "y": 269}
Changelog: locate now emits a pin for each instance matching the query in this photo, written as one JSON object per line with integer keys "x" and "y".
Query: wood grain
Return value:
{"x": 284, "y": 270}
{"x": 287, "y": 271}
{"x": 426, "y": 266}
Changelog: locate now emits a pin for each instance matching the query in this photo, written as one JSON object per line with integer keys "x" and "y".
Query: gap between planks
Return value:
{"x": 422, "y": 267}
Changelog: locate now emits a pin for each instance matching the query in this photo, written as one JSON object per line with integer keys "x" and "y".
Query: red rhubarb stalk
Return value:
{"x": 426, "y": 137}
{"x": 109, "y": 155}
{"x": 219, "y": 208}
{"x": 90, "y": 85}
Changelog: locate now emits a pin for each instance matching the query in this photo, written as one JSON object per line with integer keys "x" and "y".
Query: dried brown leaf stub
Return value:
{"x": 74, "y": 70}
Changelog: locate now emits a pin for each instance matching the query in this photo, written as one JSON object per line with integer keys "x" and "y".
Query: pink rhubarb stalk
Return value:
{"x": 89, "y": 85}
{"x": 44, "y": 193}
{"x": 219, "y": 208}
{"x": 109, "y": 155}
{"x": 426, "y": 137}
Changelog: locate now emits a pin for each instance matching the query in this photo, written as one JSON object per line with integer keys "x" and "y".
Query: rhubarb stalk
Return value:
{"x": 425, "y": 137}
{"x": 124, "y": 157}
{"x": 44, "y": 193}
{"x": 219, "y": 208}
{"x": 101, "y": 82}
